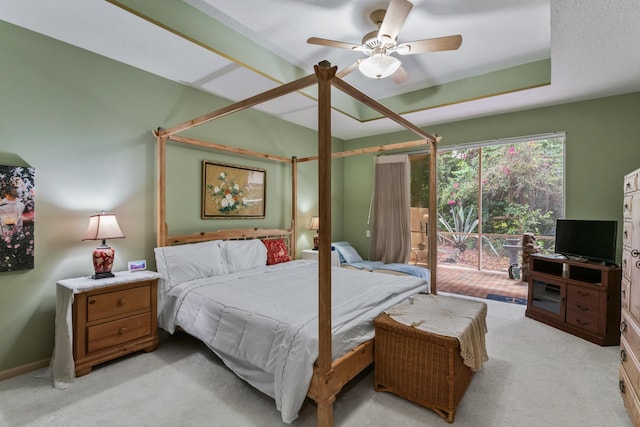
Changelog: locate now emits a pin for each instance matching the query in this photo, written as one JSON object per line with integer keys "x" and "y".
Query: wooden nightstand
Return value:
{"x": 313, "y": 254}
{"x": 110, "y": 318}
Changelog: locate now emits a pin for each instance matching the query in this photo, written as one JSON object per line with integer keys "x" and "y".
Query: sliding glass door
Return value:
{"x": 488, "y": 196}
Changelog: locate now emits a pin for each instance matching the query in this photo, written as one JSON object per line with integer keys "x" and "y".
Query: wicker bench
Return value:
{"x": 420, "y": 366}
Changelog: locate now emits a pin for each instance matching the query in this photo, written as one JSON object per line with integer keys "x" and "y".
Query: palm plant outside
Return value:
{"x": 463, "y": 225}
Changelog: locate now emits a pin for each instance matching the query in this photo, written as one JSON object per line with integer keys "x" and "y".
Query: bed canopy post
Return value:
{"x": 294, "y": 206}
{"x": 325, "y": 73}
{"x": 161, "y": 223}
{"x": 433, "y": 215}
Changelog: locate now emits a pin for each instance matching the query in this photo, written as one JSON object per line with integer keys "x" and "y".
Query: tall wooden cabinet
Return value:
{"x": 630, "y": 319}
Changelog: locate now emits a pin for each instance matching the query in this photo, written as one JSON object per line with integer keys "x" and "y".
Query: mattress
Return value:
{"x": 263, "y": 322}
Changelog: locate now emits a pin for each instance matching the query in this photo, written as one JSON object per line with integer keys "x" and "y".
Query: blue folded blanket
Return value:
{"x": 349, "y": 256}
{"x": 413, "y": 270}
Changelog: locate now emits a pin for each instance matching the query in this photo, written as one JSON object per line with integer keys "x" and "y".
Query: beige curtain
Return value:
{"x": 391, "y": 229}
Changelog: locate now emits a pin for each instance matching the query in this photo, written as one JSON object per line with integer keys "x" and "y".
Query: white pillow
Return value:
{"x": 349, "y": 254}
{"x": 244, "y": 254}
{"x": 179, "y": 264}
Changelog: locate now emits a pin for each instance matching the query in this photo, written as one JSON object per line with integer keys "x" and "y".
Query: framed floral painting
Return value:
{"x": 17, "y": 216}
{"x": 231, "y": 191}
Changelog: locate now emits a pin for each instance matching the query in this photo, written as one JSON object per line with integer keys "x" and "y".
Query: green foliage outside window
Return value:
{"x": 521, "y": 185}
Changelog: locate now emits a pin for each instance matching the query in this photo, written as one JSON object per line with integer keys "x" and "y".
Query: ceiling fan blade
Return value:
{"x": 400, "y": 76}
{"x": 430, "y": 45}
{"x": 333, "y": 43}
{"x": 394, "y": 18}
{"x": 348, "y": 69}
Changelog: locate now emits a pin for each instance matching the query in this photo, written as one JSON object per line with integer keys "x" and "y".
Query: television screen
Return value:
{"x": 594, "y": 240}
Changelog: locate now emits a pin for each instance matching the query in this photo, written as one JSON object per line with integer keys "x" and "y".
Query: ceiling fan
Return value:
{"x": 381, "y": 43}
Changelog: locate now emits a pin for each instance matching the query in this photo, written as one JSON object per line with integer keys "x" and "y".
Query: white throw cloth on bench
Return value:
{"x": 448, "y": 316}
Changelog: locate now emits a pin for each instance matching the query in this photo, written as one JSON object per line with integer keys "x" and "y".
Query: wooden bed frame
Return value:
{"x": 328, "y": 376}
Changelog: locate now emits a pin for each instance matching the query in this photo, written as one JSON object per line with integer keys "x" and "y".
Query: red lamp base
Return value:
{"x": 103, "y": 257}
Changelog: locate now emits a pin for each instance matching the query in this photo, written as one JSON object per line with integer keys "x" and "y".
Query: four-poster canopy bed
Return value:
{"x": 329, "y": 375}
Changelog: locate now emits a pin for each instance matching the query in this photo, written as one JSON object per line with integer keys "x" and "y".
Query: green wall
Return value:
{"x": 601, "y": 147}
{"x": 84, "y": 123}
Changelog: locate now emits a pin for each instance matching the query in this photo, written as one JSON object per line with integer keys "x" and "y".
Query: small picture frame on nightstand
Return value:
{"x": 139, "y": 265}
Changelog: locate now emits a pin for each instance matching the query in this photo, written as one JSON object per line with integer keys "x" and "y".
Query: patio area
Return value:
{"x": 467, "y": 281}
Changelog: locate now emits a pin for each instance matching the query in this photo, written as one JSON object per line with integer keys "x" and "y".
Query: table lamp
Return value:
{"x": 103, "y": 227}
{"x": 315, "y": 225}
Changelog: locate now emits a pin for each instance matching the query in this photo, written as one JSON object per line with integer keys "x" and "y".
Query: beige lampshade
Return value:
{"x": 315, "y": 223}
{"x": 102, "y": 227}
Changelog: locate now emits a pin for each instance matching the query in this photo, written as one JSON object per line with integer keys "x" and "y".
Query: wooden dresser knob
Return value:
{"x": 121, "y": 302}
{"x": 621, "y": 386}
{"x": 92, "y": 301}
{"x": 122, "y": 331}
{"x": 623, "y": 355}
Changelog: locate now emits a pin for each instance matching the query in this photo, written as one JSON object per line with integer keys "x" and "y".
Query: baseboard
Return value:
{"x": 19, "y": 370}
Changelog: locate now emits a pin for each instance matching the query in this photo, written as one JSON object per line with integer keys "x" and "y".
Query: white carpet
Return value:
{"x": 536, "y": 376}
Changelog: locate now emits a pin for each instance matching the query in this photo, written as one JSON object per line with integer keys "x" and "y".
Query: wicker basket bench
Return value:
{"x": 420, "y": 366}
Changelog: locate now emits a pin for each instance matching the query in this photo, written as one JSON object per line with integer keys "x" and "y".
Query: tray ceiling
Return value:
{"x": 514, "y": 55}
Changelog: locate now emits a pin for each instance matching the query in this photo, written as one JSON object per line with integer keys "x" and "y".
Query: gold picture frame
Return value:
{"x": 232, "y": 191}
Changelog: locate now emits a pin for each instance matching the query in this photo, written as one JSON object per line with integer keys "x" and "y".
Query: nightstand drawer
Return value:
{"x": 116, "y": 332}
{"x": 112, "y": 304}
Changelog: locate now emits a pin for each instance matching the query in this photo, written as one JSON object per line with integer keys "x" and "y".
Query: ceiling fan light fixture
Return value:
{"x": 379, "y": 66}
{"x": 381, "y": 43}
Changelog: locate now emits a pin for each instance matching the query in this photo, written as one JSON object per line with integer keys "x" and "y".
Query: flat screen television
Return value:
{"x": 592, "y": 240}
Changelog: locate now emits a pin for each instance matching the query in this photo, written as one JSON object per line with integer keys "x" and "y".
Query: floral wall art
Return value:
{"x": 231, "y": 191}
{"x": 17, "y": 216}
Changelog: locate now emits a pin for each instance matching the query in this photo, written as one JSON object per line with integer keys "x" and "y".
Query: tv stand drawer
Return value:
{"x": 583, "y": 318}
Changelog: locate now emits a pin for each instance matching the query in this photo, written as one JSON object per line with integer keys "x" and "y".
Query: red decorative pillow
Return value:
{"x": 276, "y": 251}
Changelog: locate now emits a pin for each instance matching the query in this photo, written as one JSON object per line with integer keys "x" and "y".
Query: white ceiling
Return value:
{"x": 593, "y": 47}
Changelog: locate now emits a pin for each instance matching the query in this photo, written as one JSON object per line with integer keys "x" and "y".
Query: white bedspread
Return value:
{"x": 263, "y": 322}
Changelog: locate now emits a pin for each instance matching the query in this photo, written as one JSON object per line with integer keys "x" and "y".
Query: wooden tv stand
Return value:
{"x": 580, "y": 298}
